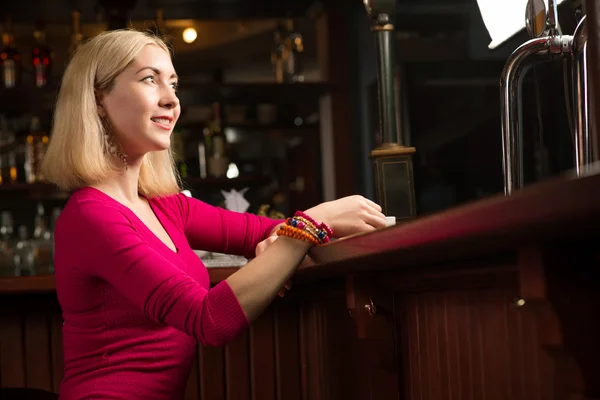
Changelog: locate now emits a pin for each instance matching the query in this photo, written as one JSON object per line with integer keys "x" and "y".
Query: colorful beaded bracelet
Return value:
{"x": 308, "y": 228}
{"x": 322, "y": 225}
{"x": 296, "y": 233}
{"x": 302, "y": 221}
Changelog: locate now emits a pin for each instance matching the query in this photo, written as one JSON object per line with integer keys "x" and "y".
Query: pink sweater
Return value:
{"x": 133, "y": 309}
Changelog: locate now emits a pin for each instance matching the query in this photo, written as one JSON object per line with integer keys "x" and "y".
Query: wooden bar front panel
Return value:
{"x": 279, "y": 357}
{"x": 523, "y": 325}
{"x": 471, "y": 345}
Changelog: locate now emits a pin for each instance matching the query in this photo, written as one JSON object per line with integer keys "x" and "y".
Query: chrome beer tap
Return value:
{"x": 582, "y": 139}
{"x": 547, "y": 43}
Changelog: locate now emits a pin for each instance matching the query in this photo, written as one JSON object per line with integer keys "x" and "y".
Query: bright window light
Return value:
{"x": 503, "y": 18}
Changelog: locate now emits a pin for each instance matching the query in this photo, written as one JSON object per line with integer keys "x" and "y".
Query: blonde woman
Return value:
{"x": 135, "y": 297}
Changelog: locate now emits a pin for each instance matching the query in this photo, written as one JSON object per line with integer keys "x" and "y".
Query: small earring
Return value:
{"x": 113, "y": 149}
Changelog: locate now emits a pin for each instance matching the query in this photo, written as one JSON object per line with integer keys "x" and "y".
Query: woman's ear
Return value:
{"x": 99, "y": 106}
{"x": 101, "y": 111}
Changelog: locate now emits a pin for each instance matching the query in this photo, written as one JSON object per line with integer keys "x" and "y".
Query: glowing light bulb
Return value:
{"x": 189, "y": 35}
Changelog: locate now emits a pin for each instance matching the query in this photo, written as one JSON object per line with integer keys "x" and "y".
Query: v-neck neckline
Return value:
{"x": 148, "y": 230}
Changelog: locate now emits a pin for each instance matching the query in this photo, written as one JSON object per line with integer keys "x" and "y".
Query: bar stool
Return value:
{"x": 26, "y": 394}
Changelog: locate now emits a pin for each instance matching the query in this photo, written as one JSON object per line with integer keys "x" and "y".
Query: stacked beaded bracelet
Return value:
{"x": 296, "y": 233}
{"x": 302, "y": 226}
{"x": 324, "y": 231}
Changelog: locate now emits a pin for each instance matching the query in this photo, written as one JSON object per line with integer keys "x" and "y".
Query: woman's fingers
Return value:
{"x": 374, "y": 205}
{"x": 372, "y": 208}
{"x": 264, "y": 244}
{"x": 376, "y": 221}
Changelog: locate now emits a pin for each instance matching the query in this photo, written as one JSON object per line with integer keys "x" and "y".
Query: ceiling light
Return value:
{"x": 189, "y": 35}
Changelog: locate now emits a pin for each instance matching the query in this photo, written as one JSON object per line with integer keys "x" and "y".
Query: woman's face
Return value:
{"x": 142, "y": 106}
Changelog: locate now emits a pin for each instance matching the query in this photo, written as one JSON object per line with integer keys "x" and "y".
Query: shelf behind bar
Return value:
{"x": 192, "y": 93}
{"x": 46, "y": 284}
{"x": 46, "y": 190}
{"x": 28, "y": 98}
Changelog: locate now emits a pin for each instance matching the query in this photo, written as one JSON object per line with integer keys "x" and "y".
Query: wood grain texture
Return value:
{"x": 263, "y": 362}
{"x": 455, "y": 333}
{"x": 471, "y": 345}
{"x": 486, "y": 227}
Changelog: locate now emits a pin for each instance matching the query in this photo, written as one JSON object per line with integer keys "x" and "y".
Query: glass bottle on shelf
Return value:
{"x": 36, "y": 144}
{"x": 24, "y": 255}
{"x": 8, "y": 152}
{"x": 10, "y": 58}
{"x": 55, "y": 214}
{"x": 278, "y": 54}
{"x": 217, "y": 151}
{"x": 6, "y": 244}
{"x": 202, "y": 144}
{"x": 292, "y": 63}
{"x": 42, "y": 242}
{"x": 40, "y": 57}
{"x": 4, "y": 143}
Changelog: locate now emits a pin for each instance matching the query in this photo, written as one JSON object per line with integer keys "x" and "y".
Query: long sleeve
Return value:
{"x": 99, "y": 241}
{"x": 216, "y": 229}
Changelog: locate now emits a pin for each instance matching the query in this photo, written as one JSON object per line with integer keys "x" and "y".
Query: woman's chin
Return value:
{"x": 160, "y": 145}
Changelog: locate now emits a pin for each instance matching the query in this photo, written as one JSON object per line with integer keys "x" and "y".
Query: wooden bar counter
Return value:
{"x": 492, "y": 300}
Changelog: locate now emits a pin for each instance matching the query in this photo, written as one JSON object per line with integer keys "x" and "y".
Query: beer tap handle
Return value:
{"x": 552, "y": 20}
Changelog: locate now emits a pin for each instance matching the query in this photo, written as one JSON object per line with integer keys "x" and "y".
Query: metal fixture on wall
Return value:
{"x": 547, "y": 43}
{"x": 582, "y": 138}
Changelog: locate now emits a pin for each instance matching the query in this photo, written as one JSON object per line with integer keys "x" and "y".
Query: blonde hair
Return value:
{"x": 77, "y": 155}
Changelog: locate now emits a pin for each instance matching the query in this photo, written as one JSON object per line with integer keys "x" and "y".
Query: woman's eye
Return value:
{"x": 149, "y": 78}
{"x": 175, "y": 85}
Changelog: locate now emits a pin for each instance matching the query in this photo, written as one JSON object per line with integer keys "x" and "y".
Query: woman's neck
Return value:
{"x": 123, "y": 187}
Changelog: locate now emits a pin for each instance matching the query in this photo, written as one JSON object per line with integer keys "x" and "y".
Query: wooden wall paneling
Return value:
{"x": 12, "y": 363}
{"x": 212, "y": 376}
{"x": 312, "y": 348}
{"x": 333, "y": 347}
{"x": 287, "y": 351}
{"x": 304, "y": 351}
{"x": 346, "y": 367}
{"x": 372, "y": 307}
{"x": 38, "y": 359}
{"x": 56, "y": 351}
{"x": 237, "y": 368}
{"x": 30, "y": 342}
{"x": 262, "y": 357}
{"x": 559, "y": 290}
{"x": 470, "y": 344}
{"x": 332, "y": 358}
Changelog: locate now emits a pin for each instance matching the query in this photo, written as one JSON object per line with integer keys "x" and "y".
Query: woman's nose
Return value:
{"x": 169, "y": 99}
